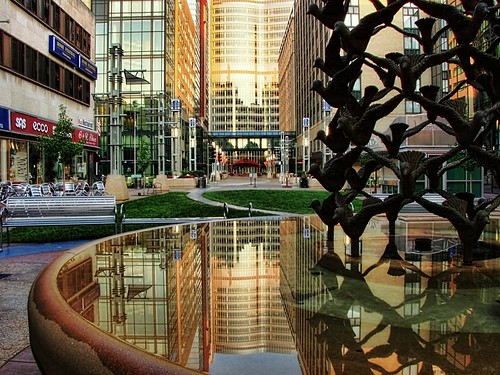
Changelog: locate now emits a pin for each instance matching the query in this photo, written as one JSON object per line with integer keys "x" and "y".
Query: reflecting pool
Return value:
{"x": 272, "y": 295}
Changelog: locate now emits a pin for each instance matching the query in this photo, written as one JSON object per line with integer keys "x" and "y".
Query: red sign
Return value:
{"x": 90, "y": 137}
{"x": 21, "y": 123}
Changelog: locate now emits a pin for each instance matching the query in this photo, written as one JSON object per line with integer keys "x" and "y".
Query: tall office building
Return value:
{"x": 157, "y": 58}
{"x": 245, "y": 41}
{"x": 309, "y": 38}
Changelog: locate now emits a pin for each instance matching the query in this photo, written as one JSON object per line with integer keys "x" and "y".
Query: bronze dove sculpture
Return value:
{"x": 355, "y": 41}
{"x": 488, "y": 160}
{"x": 332, "y": 175}
{"x": 393, "y": 143}
{"x": 407, "y": 171}
{"x": 325, "y": 211}
{"x": 359, "y": 130}
{"x": 464, "y": 28}
{"x": 469, "y": 231}
{"x": 425, "y": 27}
{"x": 333, "y": 61}
{"x": 357, "y": 180}
{"x": 335, "y": 140}
{"x": 354, "y": 225}
{"x": 331, "y": 12}
{"x": 337, "y": 91}
{"x": 464, "y": 132}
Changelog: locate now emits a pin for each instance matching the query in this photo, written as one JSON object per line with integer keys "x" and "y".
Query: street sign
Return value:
{"x": 176, "y": 105}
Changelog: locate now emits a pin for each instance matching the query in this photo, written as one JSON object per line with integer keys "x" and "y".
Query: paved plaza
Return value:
{"x": 21, "y": 263}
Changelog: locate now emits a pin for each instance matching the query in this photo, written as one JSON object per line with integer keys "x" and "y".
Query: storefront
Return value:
{"x": 22, "y": 161}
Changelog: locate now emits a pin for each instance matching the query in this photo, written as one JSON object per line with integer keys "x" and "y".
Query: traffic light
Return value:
{"x": 213, "y": 154}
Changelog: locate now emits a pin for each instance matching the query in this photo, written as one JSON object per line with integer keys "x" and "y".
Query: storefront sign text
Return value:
{"x": 22, "y": 123}
{"x": 90, "y": 137}
{"x": 4, "y": 119}
{"x": 62, "y": 50}
{"x": 65, "y": 52}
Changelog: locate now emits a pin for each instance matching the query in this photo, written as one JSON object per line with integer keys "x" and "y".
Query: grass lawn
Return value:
{"x": 175, "y": 205}
{"x": 295, "y": 201}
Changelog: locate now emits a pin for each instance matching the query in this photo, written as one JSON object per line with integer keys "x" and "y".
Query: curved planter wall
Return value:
{"x": 63, "y": 342}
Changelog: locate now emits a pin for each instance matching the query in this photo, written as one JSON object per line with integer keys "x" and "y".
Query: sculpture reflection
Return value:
{"x": 190, "y": 292}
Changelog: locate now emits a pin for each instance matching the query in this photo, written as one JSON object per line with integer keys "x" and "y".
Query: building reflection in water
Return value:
{"x": 190, "y": 292}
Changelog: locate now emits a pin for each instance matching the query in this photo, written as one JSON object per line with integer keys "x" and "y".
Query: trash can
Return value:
{"x": 304, "y": 182}
{"x": 203, "y": 182}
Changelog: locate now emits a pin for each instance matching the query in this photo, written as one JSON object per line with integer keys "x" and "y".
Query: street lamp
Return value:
{"x": 192, "y": 144}
{"x": 306, "y": 136}
{"x": 326, "y": 112}
{"x": 135, "y": 141}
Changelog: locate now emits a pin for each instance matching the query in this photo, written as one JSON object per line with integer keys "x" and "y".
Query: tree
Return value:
{"x": 60, "y": 146}
{"x": 144, "y": 156}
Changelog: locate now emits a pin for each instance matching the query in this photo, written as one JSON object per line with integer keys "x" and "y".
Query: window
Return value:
{"x": 43, "y": 70}
{"x": 17, "y": 62}
{"x": 31, "y": 63}
{"x": 32, "y": 6}
{"x": 56, "y": 18}
{"x": 55, "y": 76}
{"x": 69, "y": 84}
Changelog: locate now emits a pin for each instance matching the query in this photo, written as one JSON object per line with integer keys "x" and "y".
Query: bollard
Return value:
{"x": 250, "y": 206}
{"x": 226, "y": 210}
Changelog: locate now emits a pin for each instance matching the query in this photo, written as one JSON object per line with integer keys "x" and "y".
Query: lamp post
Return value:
{"x": 192, "y": 144}
{"x": 115, "y": 181}
{"x": 175, "y": 137}
{"x": 216, "y": 161}
{"x": 326, "y": 111}
{"x": 282, "y": 157}
{"x": 306, "y": 134}
{"x": 135, "y": 142}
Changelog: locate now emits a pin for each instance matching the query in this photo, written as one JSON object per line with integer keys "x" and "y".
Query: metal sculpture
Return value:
{"x": 355, "y": 121}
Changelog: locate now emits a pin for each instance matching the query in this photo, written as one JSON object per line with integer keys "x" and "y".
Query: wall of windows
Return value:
{"x": 39, "y": 68}
{"x": 245, "y": 43}
{"x": 53, "y": 16}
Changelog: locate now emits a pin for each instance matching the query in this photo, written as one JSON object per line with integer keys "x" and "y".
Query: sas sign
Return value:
{"x": 21, "y": 123}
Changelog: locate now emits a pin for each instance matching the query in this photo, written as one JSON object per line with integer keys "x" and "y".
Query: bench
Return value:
{"x": 57, "y": 211}
{"x": 414, "y": 207}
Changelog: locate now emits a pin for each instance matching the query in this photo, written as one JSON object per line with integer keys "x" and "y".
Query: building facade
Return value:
{"x": 46, "y": 60}
{"x": 310, "y": 38}
{"x": 159, "y": 71}
{"x": 244, "y": 107}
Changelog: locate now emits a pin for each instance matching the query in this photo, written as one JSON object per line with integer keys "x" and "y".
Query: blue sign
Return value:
{"x": 87, "y": 67}
{"x": 177, "y": 254}
{"x": 4, "y": 119}
{"x": 176, "y": 105}
{"x": 62, "y": 50}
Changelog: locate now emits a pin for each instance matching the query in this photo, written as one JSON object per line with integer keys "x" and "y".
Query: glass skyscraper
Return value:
{"x": 159, "y": 63}
{"x": 245, "y": 43}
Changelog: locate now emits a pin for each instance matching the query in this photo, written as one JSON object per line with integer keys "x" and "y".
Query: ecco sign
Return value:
{"x": 30, "y": 125}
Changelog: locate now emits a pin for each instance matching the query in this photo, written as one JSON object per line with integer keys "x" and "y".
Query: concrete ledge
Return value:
{"x": 313, "y": 183}
{"x": 63, "y": 342}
